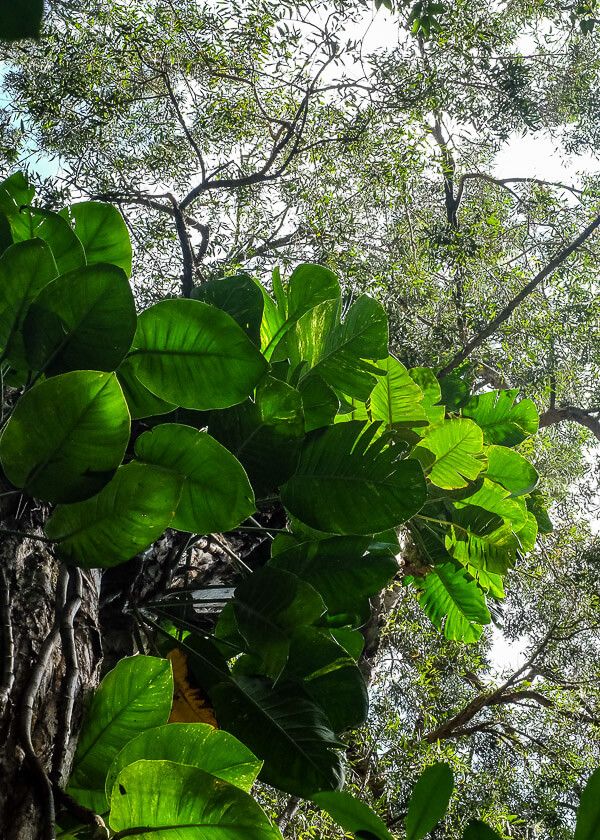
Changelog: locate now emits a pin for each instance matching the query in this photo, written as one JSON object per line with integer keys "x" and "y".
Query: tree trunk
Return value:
{"x": 49, "y": 661}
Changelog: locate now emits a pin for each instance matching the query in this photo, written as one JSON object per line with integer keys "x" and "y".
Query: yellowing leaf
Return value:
{"x": 189, "y": 703}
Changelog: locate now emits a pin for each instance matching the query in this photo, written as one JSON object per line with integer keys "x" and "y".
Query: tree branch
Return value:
{"x": 507, "y": 311}
{"x": 571, "y": 413}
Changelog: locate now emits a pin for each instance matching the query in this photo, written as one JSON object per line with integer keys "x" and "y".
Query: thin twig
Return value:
{"x": 7, "y": 641}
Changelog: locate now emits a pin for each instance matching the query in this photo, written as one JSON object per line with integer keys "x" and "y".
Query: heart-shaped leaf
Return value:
{"x": 130, "y": 513}
{"x": 66, "y": 436}
{"x": 136, "y": 695}
{"x": 160, "y": 800}
{"x": 216, "y": 494}
{"x": 194, "y": 355}
{"x": 103, "y": 233}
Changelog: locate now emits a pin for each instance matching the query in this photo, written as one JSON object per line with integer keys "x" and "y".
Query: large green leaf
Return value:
{"x": 342, "y": 353}
{"x": 286, "y": 729}
{"x": 342, "y": 569}
{"x": 126, "y": 517}
{"x": 511, "y": 469}
{"x": 25, "y": 268}
{"x": 136, "y": 695}
{"x": 66, "y": 436}
{"x": 429, "y": 384}
{"x": 588, "y": 813}
{"x": 194, "y": 355}
{"x": 477, "y": 830}
{"x": 163, "y": 800}
{"x": 22, "y": 20}
{"x": 495, "y": 499}
{"x": 240, "y": 297}
{"x": 309, "y": 285}
{"x": 197, "y": 744}
{"x": 216, "y": 494}
{"x": 102, "y": 232}
{"x": 329, "y": 676}
{"x": 452, "y": 453}
{"x": 348, "y": 483}
{"x": 140, "y": 401}
{"x": 482, "y": 540}
{"x": 352, "y": 815}
{"x": 58, "y": 234}
{"x": 503, "y": 421}
{"x": 396, "y": 398}
{"x": 16, "y": 193}
{"x": 268, "y": 606}
{"x": 82, "y": 320}
{"x": 319, "y": 402}
{"x": 447, "y": 595}
{"x": 429, "y": 800}
{"x": 264, "y": 433}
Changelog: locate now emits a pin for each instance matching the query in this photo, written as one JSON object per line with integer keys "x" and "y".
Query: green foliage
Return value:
{"x": 308, "y": 413}
{"x": 352, "y": 815}
{"x": 135, "y": 696}
{"x": 429, "y": 800}
{"x": 477, "y": 830}
{"x": 588, "y": 813}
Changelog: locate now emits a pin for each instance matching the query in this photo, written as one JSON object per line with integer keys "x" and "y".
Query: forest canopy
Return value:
{"x": 300, "y": 420}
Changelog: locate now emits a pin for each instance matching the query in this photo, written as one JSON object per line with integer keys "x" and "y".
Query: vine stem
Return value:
{"x": 25, "y": 535}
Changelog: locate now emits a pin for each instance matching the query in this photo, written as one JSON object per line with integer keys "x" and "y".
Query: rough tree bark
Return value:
{"x": 50, "y": 655}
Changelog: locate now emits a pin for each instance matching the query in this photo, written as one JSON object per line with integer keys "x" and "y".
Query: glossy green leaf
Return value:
{"x": 511, "y": 469}
{"x": 82, "y": 320}
{"x": 216, "y": 494}
{"x": 103, "y": 233}
{"x": 66, "y": 436}
{"x": 268, "y": 606}
{"x": 537, "y": 505}
{"x": 396, "y": 398}
{"x": 482, "y": 540}
{"x": 477, "y": 830}
{"x": 429, "y": 800}
{"x": 342, "y": 569}
{"x": 284, "y": 728}
{"x": 136, "y": 695}
{"x": 588, "y": 812}
{"x": 126, "y": 517}
{"x": 162, "y": 800}
{"x": 197, "y": 744}
{"x": 342, "y": 353}
{"x": 309, "y": 285}
{"x": 264, "y": 433}
{"x": 25, "y": 268}
{"x": 22, "y": 20}
{"x": 496, "y": 499}
{"x": 240, "y": 297}
{"x": 59, "y": 236}
{"x": 428, "y": 383}
{"x": 348, "y": 483}
{"x": 452, "y": 453}
{"x": 448, "y": 597}
{"x": 319, "y": 402}
{"x": 140, "y": 401}
{"x": 193, "y": 355}
{"x": 503, "y": 421}
{"x": 329, "y": 676}
{"x": 352, "y": 815}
